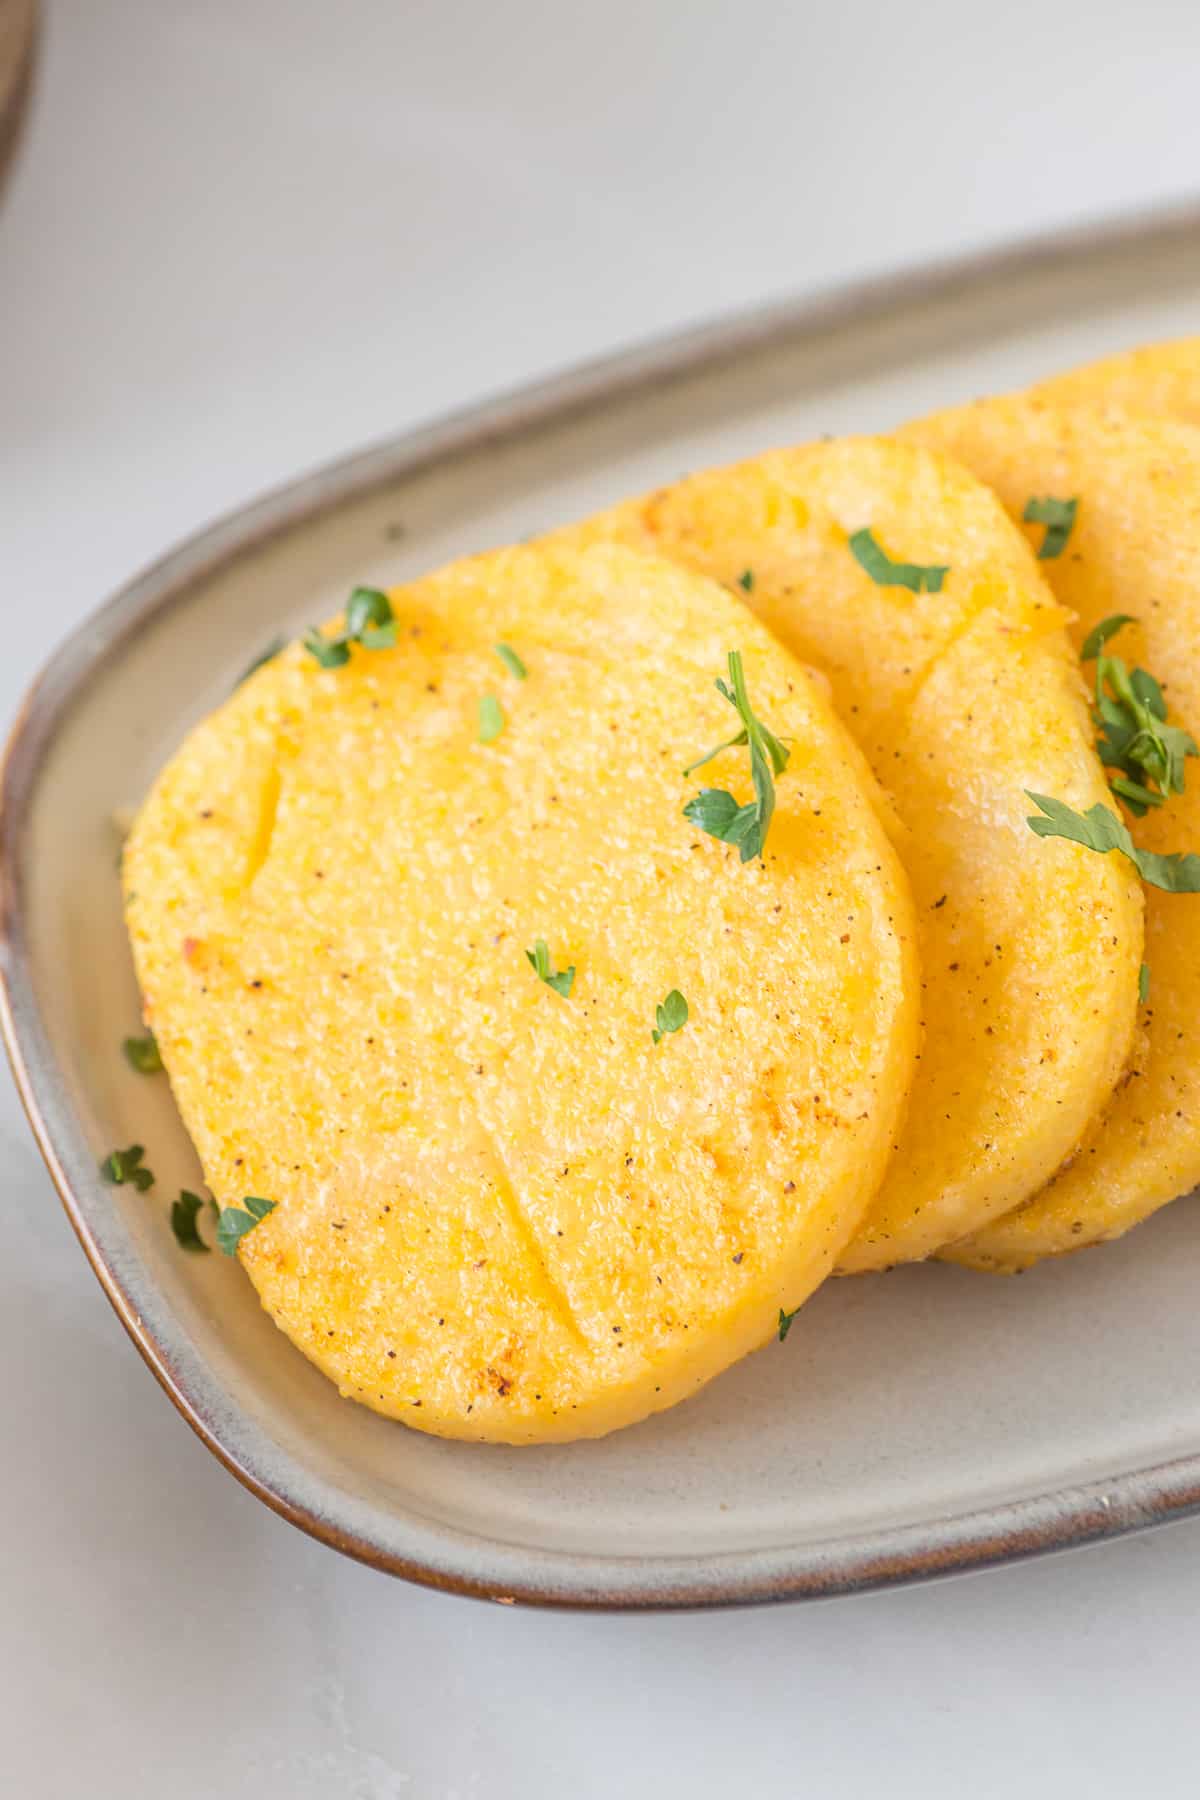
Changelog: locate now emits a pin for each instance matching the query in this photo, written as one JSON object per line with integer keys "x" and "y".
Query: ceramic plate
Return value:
{"x": 923, "y": 1421}
{"x": 18, "y": 40}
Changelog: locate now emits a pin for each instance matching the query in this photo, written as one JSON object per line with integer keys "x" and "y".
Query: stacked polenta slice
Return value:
{"x": 565, "y": 962}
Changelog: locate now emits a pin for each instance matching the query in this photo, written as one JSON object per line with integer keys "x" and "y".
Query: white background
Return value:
{"x": 244, "y": 236}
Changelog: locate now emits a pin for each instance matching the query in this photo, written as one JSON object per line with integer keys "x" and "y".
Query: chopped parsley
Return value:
{"x": 921, "y": 578}
{"x": 370, "y": 619}
{"x": 261, "y": 660}
{"x": 511, "y": 661}
{"x": 120, "y": 1166}
{"x": 141, "y": 1053}
{"x": 1099, "y": 635}
{"x": 785, "y": 1322}
{"x": 491, "y": 718}
{"x": 539, "y": 961}
{"x": 1130, "y": 715}
{"x": 746, "y": 581}
{"x": 233, "y": 1222}
{"x": 331, "y": 653}
{"x": 1101, "y": 830}
{"x": 370, "y": 622}
{"x": 1144, "y": 984}
{"x": 184, "y": 1213}
{"x": 670, "y": 1014}
{"x": 1058, "y": 516}
{"x": 716, "y": 812}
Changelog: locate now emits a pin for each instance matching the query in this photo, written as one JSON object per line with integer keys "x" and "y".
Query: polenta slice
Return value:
{"x": 1134, "y": 548}
{"x": 408, "y": 932}
{"x": 897, "y": 574}
{"x": 1158, "y": 381}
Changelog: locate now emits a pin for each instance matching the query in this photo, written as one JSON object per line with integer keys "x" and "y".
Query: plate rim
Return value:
{"x": 978, "y": 1538}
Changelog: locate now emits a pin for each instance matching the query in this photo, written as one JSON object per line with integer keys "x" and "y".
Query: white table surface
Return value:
{"x": 244, "y": 237}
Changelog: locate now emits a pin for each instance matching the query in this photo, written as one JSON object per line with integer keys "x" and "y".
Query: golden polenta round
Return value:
{"x": 1156, "y": 381}
{"x": 1134, "y": 548}
{"x": 897, "y": 573}
{"x": 406, "y": 931}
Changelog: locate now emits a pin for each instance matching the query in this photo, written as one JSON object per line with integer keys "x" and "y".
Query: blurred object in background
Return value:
{"x": 18, "y": 37}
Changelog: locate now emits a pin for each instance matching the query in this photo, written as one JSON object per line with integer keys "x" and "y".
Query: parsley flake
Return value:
{"x": 1058, "y": 516}
{"x": 331, "y": 653}
{"x": 921, "y": 578}
{"x": 1143, "y": 984}
{"x": 370, "y": 619}
{"x": 261, "y": 660}
{"x": 670, "y": 1014}
{"x": 1101, "y": 830}
{"x": 370, "y": 622}
{"x": 746, "y": 581}
{"x": 141, "y": 1053}
{"x": 511, "y": 661}
{"x": 1130, "y": 715}
{"x": 491, "y": 718}
{"x": 121, "y": 1166}
{"x": 184, "y": 1213}
{"x": 233, "y": 1222}
{"x": 716, "y": 812}
{"x": 1099, "y": 635}
{"x": 785, "y": 1322}
{"x": 539, "y": 961}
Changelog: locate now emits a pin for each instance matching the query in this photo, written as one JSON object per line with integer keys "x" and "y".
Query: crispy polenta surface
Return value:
{"x": 1134, "y": 548}
{"x": 961, "y": 697}
{"x": 1159, "y": 381}
{"x": 503, "y": 1213}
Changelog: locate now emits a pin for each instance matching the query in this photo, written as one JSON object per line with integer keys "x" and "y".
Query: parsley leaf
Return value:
{"x": 539, "y": 961}
{"x": 331, "y": 653}
{"x": 511, "y": 661}
{"x": 733, "y": 743}
{"x": 670, "y": 1014}
{"x": 1100, "y": 829}
{"x": 370, "y": 622}
{"x": 785, "y": 1322}
{"x": 716, "y": 812}
{"x": 141, "y": 1053}
{"x": 921, "y": 578}
{"x": 184, "y": 1212}
{"x": 491, "y": 718}
{"x": 233, "y": 1222}
{"x": 264, "y": 656}
{"x": 1144, "y": 984}
{"x": 120, "y": 1166}
{"x": 1099, "y": 635}
{"x": 746, "y": 581}
{"x": 1130, "y": 715}
{"x": 1058, "y": 516}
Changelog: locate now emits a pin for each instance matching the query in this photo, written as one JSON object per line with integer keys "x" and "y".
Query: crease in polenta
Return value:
{"x": 268, "y": 806}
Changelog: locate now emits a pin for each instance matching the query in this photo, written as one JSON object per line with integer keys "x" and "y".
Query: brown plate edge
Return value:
{"x": 16, "y": 87}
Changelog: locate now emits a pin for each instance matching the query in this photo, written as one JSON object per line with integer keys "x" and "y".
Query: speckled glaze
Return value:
{"x": 913, "y": 1424}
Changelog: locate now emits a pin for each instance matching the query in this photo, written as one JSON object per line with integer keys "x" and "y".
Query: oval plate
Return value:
{"x": 914, "y": 1424}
